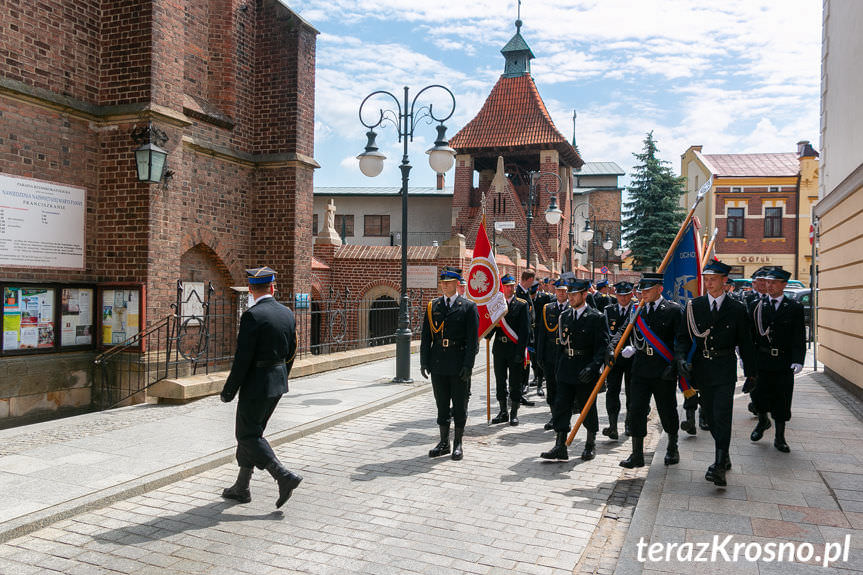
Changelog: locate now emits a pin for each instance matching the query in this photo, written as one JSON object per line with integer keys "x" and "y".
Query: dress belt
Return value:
{"x": 269, "y": 363}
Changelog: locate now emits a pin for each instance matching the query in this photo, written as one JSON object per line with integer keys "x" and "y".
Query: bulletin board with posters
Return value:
{"x": 77, "y": 317}
{"x": 121, "y": 313}
{"x": 29, "y": 320}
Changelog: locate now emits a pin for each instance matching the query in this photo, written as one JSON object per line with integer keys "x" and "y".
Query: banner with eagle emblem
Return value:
{"x": 483, "y": 283}
{"x": 683, "y": 279}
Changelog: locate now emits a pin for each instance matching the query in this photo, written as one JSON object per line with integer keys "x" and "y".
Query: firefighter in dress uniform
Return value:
{"x": 716, "y": 326}
{"x": 448, "y": 349}
{"x": 511, "y": 336}
{"x": 584, "y": 339}
{"x": 653, "y": 370}
{"x": 781, "y": 342}
{"x": 522, "y": 291}
{"x": 617, "y": 318}
{"x": 548, "y": 342}
{"x": 540, "y": 298}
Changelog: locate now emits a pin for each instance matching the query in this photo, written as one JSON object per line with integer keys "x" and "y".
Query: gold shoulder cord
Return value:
{"x": 545, "y": 320}
{"x": 434, "y": 329}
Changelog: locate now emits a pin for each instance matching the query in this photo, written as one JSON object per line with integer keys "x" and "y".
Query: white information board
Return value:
{"x": 41, "y": 224}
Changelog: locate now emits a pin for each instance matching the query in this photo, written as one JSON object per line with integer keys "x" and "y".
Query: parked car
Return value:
{"x": 795, "y": 284}
{"x": 804, "y": 296}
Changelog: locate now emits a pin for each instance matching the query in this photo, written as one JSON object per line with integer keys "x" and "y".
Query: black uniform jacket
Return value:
{"x": 785, "y": 343}
{"x": 715, "y": 361}
{"x": 266, "y": 345}
{"x": 583, "y": 343}
{"x": 601, "y": 301}
{"x": 518, "y": 318}
{"x": 616, "y": 326}
{"x": 547, "y": 344}
{"x": 449, "y": 337}
{"x": 666, "y": 322}
{"x": 523, "y": 294}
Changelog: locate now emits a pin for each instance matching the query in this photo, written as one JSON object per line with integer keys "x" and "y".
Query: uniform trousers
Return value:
{"x": 664, "y": 394}
{"x": 617, "y": 375}
{"x": 550, "y": 387}
{"x": 561, "y": 411}
{"x": 538, "y": 372}
{"x": 773, "y": 393}
{"x": 252, "y": 417}
{"x": 717, "y": 403}
{"x": 450, "y": 395}
{"x": 509, "y": 367}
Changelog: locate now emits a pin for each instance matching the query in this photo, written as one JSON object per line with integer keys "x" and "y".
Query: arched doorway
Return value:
{"x": 383, "y": 320}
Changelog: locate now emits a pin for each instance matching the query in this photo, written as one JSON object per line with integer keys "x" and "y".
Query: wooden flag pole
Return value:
{"x": 620, "y": 344}
{"x": 487, "y": 382}
{"x": 709, "y": 248}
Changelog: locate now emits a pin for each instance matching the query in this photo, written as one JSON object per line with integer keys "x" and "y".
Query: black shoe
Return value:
{"x": 549, "y": 426}
{"x": 702, "y": 421}
{"x": 716, "y": 471}
{"x": 781, "y": 446}
{"x": 539, "y": 390}
{"x": 457, "y": 452}
{"x": 559, "y": 450}
{"x": 688, "y": 424}
{"x": 287, "y": 480}
{"x": 636, "y": 458}
{"x": 501, "y": 417}
{"x": 442, "y": 448}
{"x": 751, "y": 408}
{"x": 513, "y": 417}
{"x": 762, "y": 426}
{"x": 779, "y": 441}
{"x": 526, "y": 403}
{"x": 239, "y": 491}
{"x": 610, "y": 432}
{"x": 672, "y": 455}
{"x": 589, "y": 447}
{"x": 727, "y": 462}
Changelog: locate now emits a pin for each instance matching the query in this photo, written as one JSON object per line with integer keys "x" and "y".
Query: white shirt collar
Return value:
{"x": 778, "y": 299}
{"x": 580, "y": 310}
{"x": 256, "y": 301}
{"x": 718, "y": 300}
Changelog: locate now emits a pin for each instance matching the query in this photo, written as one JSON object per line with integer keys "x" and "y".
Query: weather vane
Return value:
{"x": 519, "y": 9}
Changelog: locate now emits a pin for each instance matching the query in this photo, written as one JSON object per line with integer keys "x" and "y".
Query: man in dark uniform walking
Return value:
{"x": 548, "y": 342}
{"x": 522, "y": 291}
{"x": 511, "y": 336}
{"x": 715, "y": 326}
{"x": 540, "y": 298}
{"x": 447, "y": 350}
{"x": 266, "y": 345}
{"x": 781, "y": 342}
{"x": 653, "y": 371}
{"x": 583, "y": 338}
{"x": 617, "y": 317}
{"x": 601, "y": 298}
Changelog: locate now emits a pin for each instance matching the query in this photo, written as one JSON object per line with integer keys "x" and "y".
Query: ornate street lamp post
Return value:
{"x": 586, "y": 233}
{"x": 552, "y": 213}
{"x": 441, "y": 158}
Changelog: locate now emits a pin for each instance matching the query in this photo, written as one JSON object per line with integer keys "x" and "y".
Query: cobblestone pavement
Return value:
{"x": 372, "y": 502}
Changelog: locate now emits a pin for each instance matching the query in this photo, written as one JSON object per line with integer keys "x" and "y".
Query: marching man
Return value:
{"x": 509, "y": 350}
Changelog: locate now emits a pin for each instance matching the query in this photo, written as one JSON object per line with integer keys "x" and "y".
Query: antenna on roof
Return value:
{"x": 574, "y": 115}
{"x": 518, "y": 21}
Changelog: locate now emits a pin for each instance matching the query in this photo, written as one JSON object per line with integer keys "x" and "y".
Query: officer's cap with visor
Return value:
{"x": 716, "y": 267}
{"x": 778, "y": 273}
{"x": 601, "y": 284}
{"x": 449, "y": 273}
{"x": 622, "y": 288}
{"x": 577, "y": 285}
{"x": 650, "y": 279}
{"x": 260, "y": 276}
{"x": 507, "y": 280}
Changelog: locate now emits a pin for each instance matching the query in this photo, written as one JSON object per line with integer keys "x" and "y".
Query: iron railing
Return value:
{"x": 200, "y": 333}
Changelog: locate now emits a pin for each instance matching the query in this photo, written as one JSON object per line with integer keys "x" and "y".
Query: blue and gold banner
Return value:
{"x": 683, "y": 274}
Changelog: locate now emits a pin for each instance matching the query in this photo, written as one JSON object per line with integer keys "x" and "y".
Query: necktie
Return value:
{"x": 775, "y": 303}
{"x": 714, "y": 307}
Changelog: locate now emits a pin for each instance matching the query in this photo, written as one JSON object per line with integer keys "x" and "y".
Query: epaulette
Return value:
{"x": 521, "y": 300}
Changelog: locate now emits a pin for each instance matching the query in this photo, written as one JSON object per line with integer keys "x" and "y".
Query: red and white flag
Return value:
{"x": 483, "y": 283}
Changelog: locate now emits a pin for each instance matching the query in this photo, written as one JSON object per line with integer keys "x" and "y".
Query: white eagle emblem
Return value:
{"x": 479, "y": 282}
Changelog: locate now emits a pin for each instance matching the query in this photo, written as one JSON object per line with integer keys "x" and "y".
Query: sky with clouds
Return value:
{"x": 734, "y": 76}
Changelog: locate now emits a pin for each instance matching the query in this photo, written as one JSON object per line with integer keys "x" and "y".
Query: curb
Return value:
{"x": 23, "y": 525}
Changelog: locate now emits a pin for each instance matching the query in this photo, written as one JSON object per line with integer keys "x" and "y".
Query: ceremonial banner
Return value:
{"x": 483, "y": 283}
{"x": 683, "y": 274}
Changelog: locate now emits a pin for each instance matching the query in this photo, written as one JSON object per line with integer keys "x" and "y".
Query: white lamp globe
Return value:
{"x": 371, "y": 163}
{"x": 587, "y": 233}
{"x": 441, "y": 159}
{"x": 607, "y": 244}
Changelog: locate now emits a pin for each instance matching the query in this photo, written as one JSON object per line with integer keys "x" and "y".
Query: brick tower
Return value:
{"x": 515, "y": 124}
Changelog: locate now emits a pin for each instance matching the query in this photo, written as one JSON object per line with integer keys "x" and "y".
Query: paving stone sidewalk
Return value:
{"x": 53, "y": 468}
{"x": 813, "y": 494}
{"x": 372, "y": 502}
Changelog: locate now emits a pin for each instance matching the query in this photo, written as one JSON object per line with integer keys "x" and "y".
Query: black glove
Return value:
{"x": 750, "y": 384}
{"x": 586, "y": 375}
{"x": 609, "y": 356}
{"x": 225, "y": 397}
{"x": 669, "y": 374}
{"x": 424, "y": 372}
{"x": 465, "y": 373}
{"x": 684, "y": 368}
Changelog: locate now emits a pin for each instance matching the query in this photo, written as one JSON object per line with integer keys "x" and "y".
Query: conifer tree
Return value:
{"x": 653, "y": 214}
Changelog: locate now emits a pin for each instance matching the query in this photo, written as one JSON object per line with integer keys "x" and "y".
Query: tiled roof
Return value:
{"x": 318, "y": 264}
{"x": 514, "y": 116}
{"x": 599, "y": 169}
{"x": 753, "y": 165}
{"x": 359, "y": 252}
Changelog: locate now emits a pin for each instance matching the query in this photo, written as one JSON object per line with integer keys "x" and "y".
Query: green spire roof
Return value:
{"x": 518, "y": 55}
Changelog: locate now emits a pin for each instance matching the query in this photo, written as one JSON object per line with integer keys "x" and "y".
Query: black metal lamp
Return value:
{"x": 151, "y": 159}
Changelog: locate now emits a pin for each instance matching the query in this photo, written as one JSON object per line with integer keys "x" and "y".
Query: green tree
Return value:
{"x": 653, "y": 214}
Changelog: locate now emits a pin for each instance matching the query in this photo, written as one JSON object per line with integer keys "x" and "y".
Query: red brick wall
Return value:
{"x": 125, "y": 50}
{"x": 754, "y": 241}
